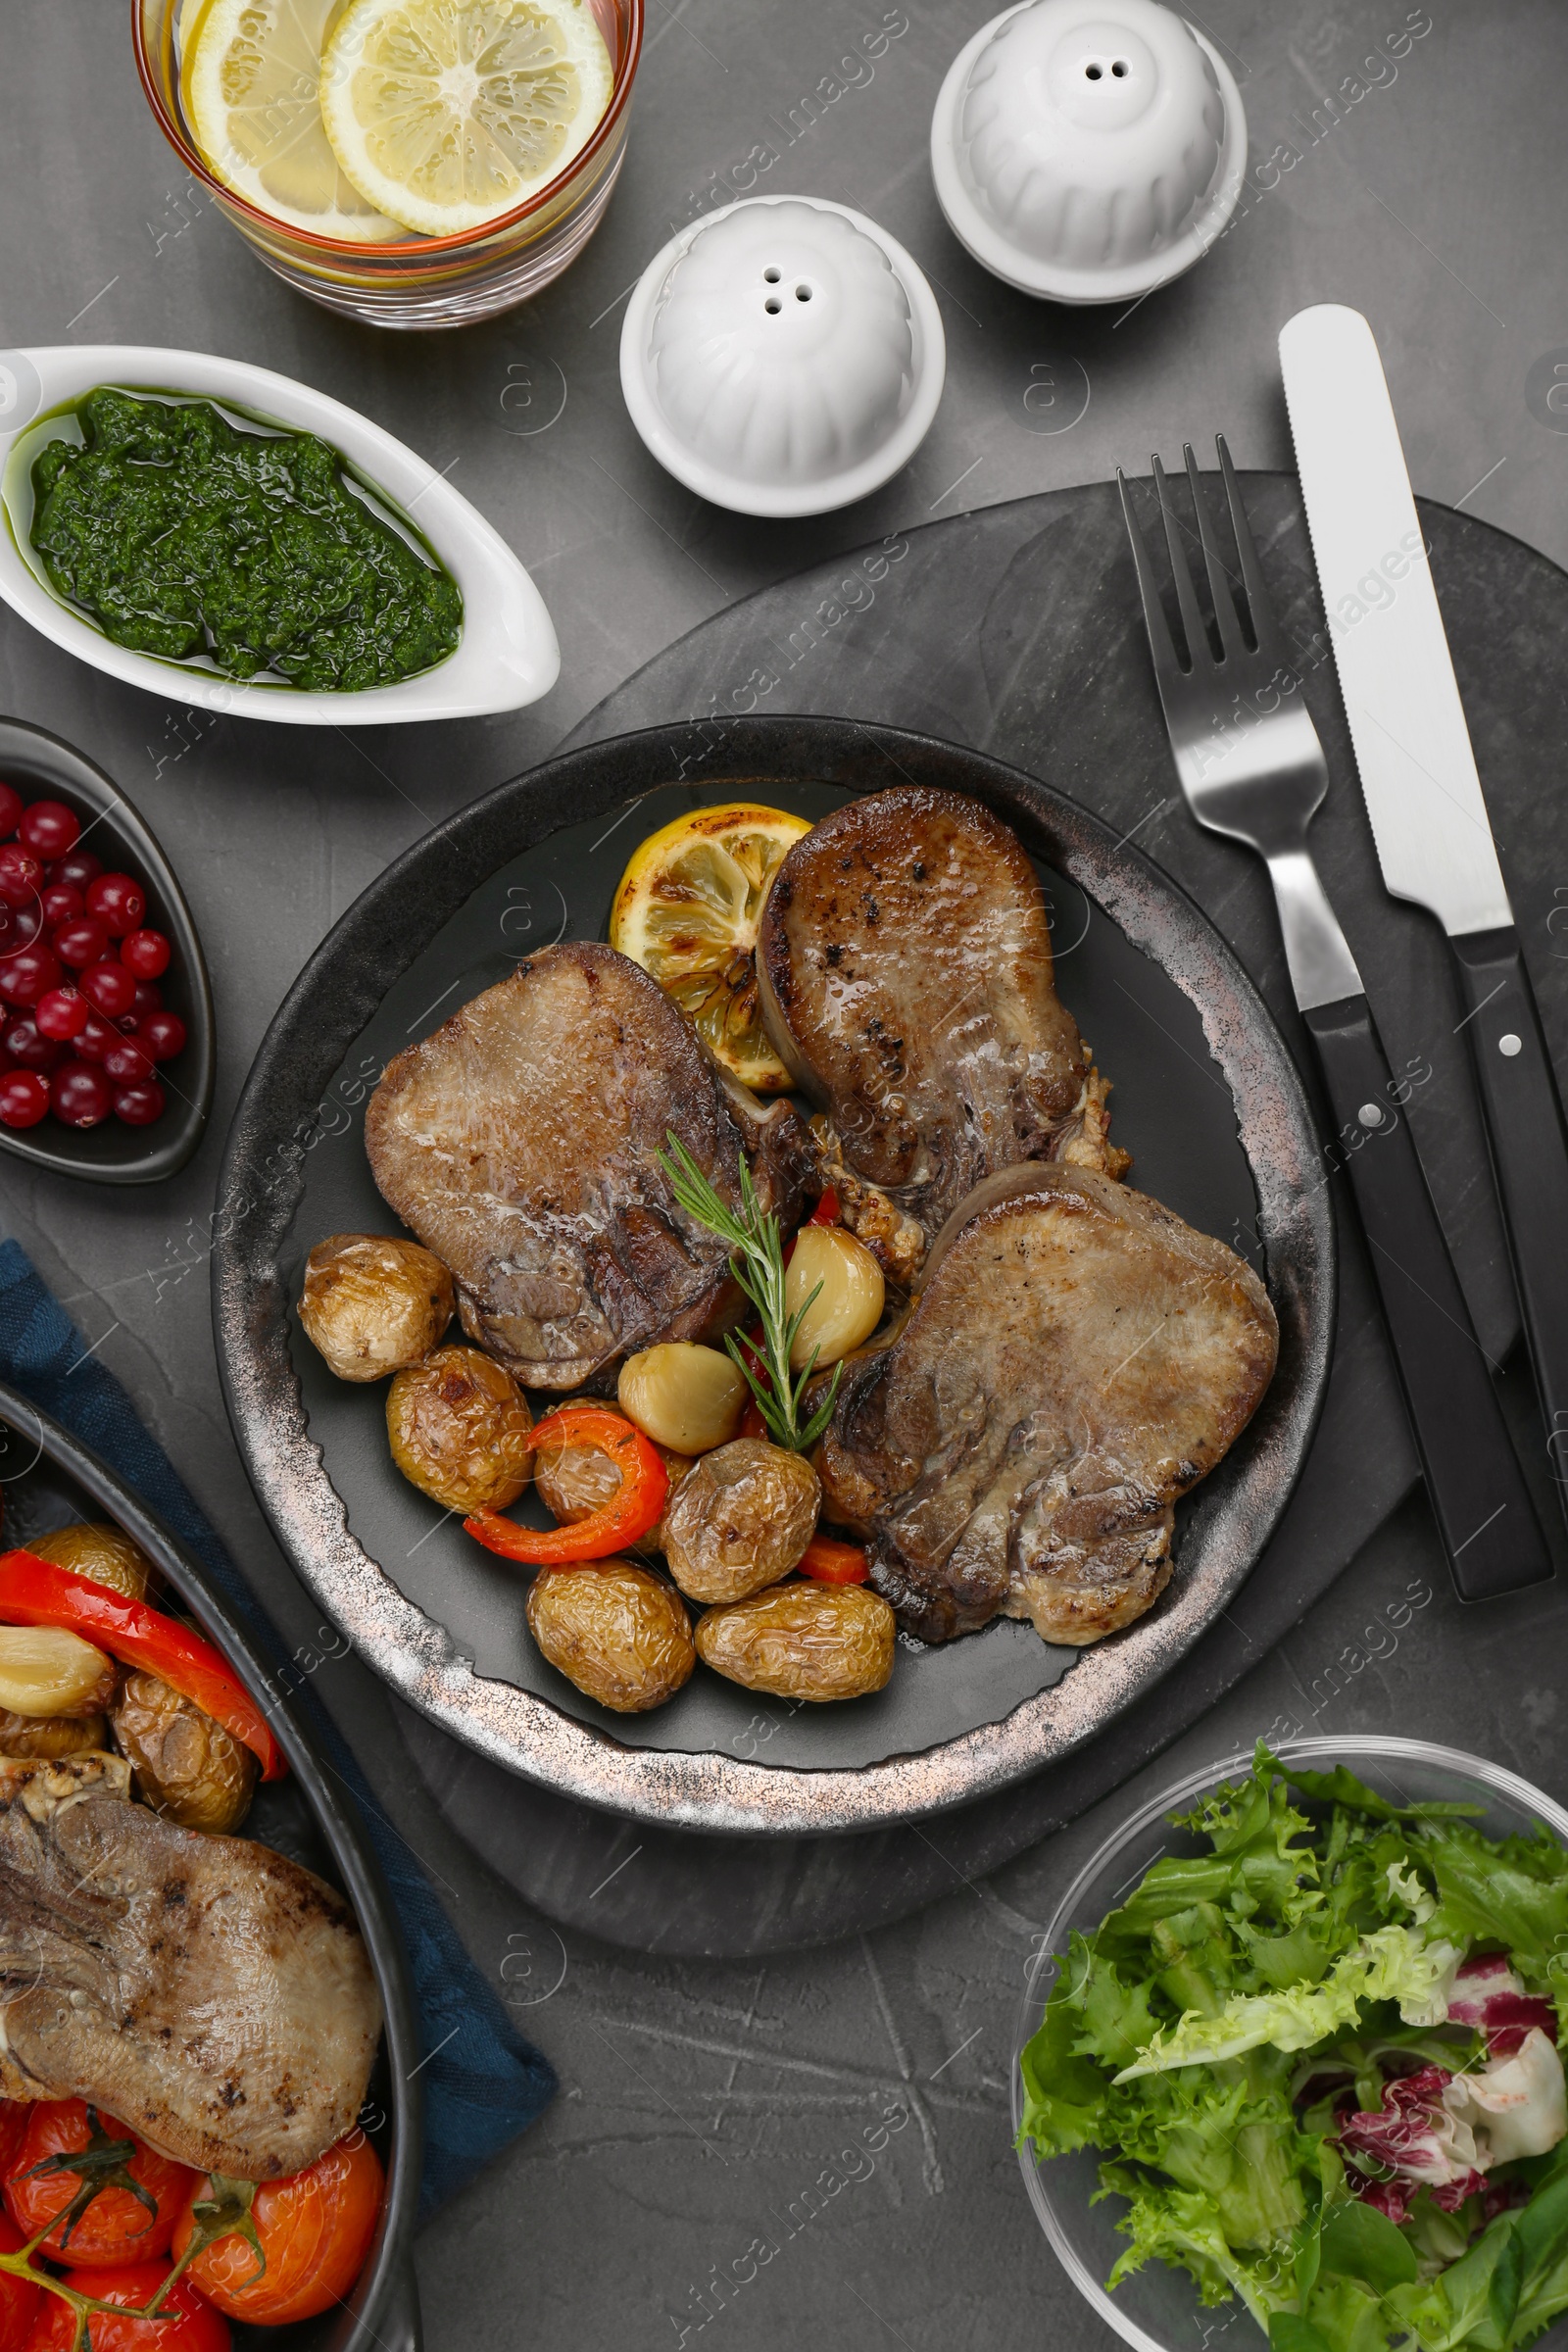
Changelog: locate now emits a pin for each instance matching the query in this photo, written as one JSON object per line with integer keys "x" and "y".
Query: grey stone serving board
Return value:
{"x": 1017, "y": 629}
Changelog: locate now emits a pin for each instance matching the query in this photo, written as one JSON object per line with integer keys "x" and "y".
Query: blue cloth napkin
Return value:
{"x": 483, "y": 2083}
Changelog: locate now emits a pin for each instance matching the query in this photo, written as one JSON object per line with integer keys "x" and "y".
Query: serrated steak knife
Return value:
{"x": 1423, "y": 795}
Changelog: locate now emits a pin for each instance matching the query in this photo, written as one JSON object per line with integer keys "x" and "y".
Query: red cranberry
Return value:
{"x": 145, "y": 952}
{"x": 24, "y": 1096}
{"x": 30, "y": 973}
{"x": 63, "y": 1013}
{"x": 164, "y": 1035}
{"x": 49, "y": 830}
{"x": 82, "y": 942}
{"x": 96, "y": 1038}
{"x": 79, "y": 869}
{"x": 21, "y": 874}
{"x": 111, "y": 989}
{"x": 10, "y": 806}
{"x": 118, "y": 902}
{"x": 82, "y": 1097}
{"x": 29, "y": 1049}
{"x": 127, "y": 1063}
{"x": 25, "y": 924}
{"x": 147, "y": 1000}
{"x": 62, "y": 903}
{"x": 139, "y": 1106}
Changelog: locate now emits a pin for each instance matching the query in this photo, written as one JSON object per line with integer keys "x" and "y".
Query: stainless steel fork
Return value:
{"x": 1251, "y": 767}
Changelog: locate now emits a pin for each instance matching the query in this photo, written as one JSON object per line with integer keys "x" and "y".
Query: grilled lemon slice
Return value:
{"x": 687, "y": 910}
{"x": 249, "y": 84}
{"x": 447, "y": 113}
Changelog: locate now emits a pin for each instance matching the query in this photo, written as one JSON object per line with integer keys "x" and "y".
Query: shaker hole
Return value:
{"x": 772, "y": 306}
{"x": 802, "y": 293}
{"x": 1121, "y": 69}
{"x": 1092, "y": 72}
{"x": 772, "y": 276}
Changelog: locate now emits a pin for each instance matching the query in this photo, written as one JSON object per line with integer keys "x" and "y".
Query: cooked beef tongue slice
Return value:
{"x": 209, "y": 1993}
{"x": 518, "y": 1142}
{"x": 908, "y": 984}
{"x": 1075, "y": 1359}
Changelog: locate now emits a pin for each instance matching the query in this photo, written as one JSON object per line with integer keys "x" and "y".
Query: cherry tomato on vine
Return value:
{"x": 42, "y": 2182}
{"x": 315, "y": 2230}
{"x": 19, "y": 2301}
{"x": 186, "y": 2321}
{"x": 14, "y": 2114}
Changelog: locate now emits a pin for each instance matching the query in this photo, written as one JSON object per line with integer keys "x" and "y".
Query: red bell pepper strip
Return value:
{"x": 34, "y": 1592}
{"x": 830, "y": 1563}
{"x": 629, "y": 1514}
{"x": 826, "y": 1211}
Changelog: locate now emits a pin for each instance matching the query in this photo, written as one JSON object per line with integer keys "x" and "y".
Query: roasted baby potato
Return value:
{"x": 101, "y": 1552}
{"x": 460, "y": 1428}
{"x": 47, "y": 1737}
{"x": 618, "y": 1631}
{"x": 575, "y": 1481}
{"x": 806, "y": 1641}
{"x": 186, "y": 1766}
{"x": 741, "y": 1521}
{"x": 372, "y": 1304}
{"x": 45, "y": 1671}
{"x": 687, "y": 1397}
{"x": 850, "y": 1294}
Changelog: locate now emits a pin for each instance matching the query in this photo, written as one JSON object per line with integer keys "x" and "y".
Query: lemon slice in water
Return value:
{"x": 248, "y": 82}
{"x": 447, "y": 113}
{"x": 688, "y": 909}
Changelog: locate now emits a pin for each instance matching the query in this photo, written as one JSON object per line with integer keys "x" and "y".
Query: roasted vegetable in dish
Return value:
{"x": 99, "y": 1551}
{"x": 741, "y": 1520}
{"x": 633, "y": 1508}
{"x": 185, "y": 1765}
{"x": 372, "y": 1304}
{"x": 312, "y": 2233}
{"x": 45, "y": 1671}
{"x": 615, "y": 1630}
{"x": 835, "y": 1286}
{"x": 48, "y": 1736}
{"x": 461, "y": 1430}
{"x": 575, "y": 1479}
{"x": 140, "y": 2195}
{"x": 685, "y": 1397}
{"x": 807, "y": 1641}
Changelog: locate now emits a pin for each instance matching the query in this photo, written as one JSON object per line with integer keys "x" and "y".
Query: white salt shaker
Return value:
{"x": 783, "y": 356}
{"x": 1088, "y": 150}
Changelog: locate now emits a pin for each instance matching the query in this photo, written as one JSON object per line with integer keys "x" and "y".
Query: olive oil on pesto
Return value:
{"x": 185, "y": 536}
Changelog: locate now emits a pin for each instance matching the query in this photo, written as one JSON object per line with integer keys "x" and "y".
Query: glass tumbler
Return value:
{"x": 416, "y": 281}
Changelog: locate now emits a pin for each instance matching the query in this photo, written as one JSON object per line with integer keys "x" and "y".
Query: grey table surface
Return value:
{"x": 815, "y": 2149}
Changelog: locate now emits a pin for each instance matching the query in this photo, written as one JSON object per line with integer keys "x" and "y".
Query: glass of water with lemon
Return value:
{"x": 414, "y": 162}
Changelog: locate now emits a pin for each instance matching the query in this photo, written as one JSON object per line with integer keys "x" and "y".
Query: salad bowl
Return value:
{"x": 507, "y": 654}
{"x": 1158, "y": 2308}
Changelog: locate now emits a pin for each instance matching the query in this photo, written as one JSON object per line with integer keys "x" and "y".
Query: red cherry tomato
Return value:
{"x": 23, "y": 1097}
{"x": 111, "y": 989}
{"x": 163, "y": 1033}
{"x": 119, "y": 901}
{"x": 315, "y": 2230}
{"x": 49, "y": 830}
{"x": 139, "y": 1106}
{"x": 14, "y": 2114}
{"x": 10, "y": 807}
{"x": 81, "y": 1095}
{"x": 29, "y": 974}
{"x": 21, "y": 874}
{"x": 63, "y": 1013}
{"x": 19, "y": 2301}
{"x": 185, "y": 2323}
{"x": 145, "y": 952}
{"x": 40, "y": 2186}
{"x": 62, "y": 903}
{"x": 28, "y": 1049}
{"x": 79, "y": 869}
{"x": 82, "y": 942}
{"x": 148, "y": 998}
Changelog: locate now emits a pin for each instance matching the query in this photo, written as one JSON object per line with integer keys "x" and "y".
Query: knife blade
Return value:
{"x": 1423, "y": 796}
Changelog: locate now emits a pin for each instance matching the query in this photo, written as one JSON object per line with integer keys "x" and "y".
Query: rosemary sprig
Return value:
{"x": 757, "y": 1265}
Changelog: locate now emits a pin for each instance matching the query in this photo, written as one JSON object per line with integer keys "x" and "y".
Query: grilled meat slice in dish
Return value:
{"x": 906, "y": 980}
{"x": 1076, "y": 1358}
{"x": 210, "y": 1994}
{"x": 518, "y": 1142}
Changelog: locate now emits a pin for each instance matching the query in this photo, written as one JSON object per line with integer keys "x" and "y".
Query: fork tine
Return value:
{"x": 1160, "y": 642}
{"x": 1198, "y": 648}
{"x": 1265, "y": 629}
{"x": 1219, "y": 579}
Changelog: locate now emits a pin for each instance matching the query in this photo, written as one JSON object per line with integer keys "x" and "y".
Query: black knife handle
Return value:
{"x": 1529, "y": 1159}
{"x": 1484, "y": 1512}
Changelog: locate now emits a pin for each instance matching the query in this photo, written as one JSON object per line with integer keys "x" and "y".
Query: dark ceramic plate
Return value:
{"x": 48, "y": 1479}
{"x": 1207, "y": 1100}
{"x": 114, "y": 1154}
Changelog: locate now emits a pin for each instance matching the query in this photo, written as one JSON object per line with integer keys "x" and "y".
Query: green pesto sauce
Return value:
{"x": 184, "y": 536}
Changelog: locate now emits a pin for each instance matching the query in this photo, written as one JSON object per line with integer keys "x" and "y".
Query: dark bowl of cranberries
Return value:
{"x": 106, "y": 1014}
